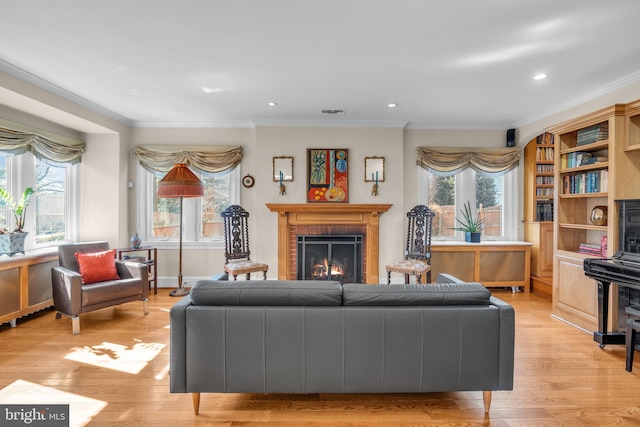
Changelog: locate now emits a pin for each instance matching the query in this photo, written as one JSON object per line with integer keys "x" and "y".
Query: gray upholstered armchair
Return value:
{"x": 75, "y": 292}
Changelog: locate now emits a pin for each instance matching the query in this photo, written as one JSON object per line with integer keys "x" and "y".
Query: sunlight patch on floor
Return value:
{"x": 163, "y": 373}
{"x": 81, "y": 409}
{"x": 116, "y": 356}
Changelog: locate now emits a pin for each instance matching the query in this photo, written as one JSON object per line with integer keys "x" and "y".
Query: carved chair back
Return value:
{"x": 236, "y": 233}
{"x": 419, "y": 234}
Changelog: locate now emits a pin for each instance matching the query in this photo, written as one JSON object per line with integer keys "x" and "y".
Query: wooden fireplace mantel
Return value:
{"x": 329, "y": 213}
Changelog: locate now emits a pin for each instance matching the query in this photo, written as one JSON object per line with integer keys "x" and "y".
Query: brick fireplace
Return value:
{"x": 328, "y": 219}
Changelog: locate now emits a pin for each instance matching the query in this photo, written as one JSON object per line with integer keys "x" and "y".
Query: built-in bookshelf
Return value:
{"x": 539, "y": 184}
{"x": 583, "y": 179}
{"x": 539, "y": 178}
{"x": 594, "y": 168}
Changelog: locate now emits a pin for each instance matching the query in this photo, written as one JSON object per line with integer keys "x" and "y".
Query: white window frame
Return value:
{"x": 20, "y": 175}
{"x": 466, "y": 190}
{"x": 191, "y": 209}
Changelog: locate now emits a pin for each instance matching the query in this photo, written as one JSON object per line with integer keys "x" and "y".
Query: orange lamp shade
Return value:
{"x": 180, "y": 182}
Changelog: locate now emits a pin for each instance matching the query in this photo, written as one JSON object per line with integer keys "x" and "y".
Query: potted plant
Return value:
{"x": 470, "y": 224}
{"x": 13, "y": 242}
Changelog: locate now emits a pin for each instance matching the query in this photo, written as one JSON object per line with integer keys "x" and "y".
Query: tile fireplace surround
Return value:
{"x": 291, "y": 216}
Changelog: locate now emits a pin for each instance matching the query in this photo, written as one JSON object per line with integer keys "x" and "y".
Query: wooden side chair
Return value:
{"x": 417, "y": 256}
{"x": 236, "y": 243}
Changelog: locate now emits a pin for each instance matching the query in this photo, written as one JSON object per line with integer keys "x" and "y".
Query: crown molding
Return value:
{"x": 588, "y": 96}
{"x": 34, "y": 80}
{"x": 194, "y": 125}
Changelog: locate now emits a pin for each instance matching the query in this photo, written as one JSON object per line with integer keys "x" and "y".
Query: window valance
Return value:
{"x": 14, "y": 142}
{"x": 447, "y": 161}
{"x": 206, "y": 159}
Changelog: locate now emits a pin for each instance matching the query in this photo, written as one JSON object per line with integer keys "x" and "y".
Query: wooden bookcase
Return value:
{"x": 581, "y": 186}
{"x": 539, "y": 167}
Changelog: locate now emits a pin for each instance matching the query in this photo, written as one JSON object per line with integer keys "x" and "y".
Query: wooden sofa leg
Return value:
{"x": 486, "y": 397}
{"x": 145, "y": 306}
{"x": 196, "y": 402}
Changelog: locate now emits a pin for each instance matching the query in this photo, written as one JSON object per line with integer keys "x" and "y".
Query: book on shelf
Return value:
{"x": 134, "y": 258}
{"x": 591, "y": 249}
{"x": 573, "y": 160}
{"x": 544, "y": 154}
{"x": 542, "y": 192}
{"x": 544, "y": 210}
{"x": 544, "y": 168}
{"x": 545, "y": 138}
{"x": 591, "y": 160}
{"x": 588, "y": 182}
{"x": 593, "y": 134}
{"x": 544, "y": 180}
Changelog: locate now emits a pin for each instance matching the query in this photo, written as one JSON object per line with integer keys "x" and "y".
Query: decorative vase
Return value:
{"x": 136, "y": 241}
{"x": 12, "y": 243}
{"x": 472, "y": 237}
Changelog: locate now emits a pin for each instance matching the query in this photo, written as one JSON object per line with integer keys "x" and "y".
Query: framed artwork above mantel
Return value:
{"x": 327, "y": 175}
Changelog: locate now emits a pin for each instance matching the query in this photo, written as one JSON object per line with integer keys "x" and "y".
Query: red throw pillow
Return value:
{"x": 97, "y": 266}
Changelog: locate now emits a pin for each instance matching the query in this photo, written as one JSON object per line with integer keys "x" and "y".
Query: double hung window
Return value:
{"x": 218, "y": 167}
{"x": 487, "y": 196}
{"x": 159, "y": 218}
{"x": 485, "y": 179}
{"x": 50, "y": 215}
{"x": 28, "y": 158}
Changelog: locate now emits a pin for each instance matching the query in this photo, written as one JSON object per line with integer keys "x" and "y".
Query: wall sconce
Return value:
{"x": 282, "y": 171}
{"x": 374, "y": 172}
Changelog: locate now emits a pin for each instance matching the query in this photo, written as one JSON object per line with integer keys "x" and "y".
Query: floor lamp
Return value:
{"x": 180, "y": 182}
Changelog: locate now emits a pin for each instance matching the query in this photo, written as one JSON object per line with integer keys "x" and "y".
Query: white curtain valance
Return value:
{"x": 447, "y": 161}
{"x": 205, "y": 159}
{"x": 14, "y": 142}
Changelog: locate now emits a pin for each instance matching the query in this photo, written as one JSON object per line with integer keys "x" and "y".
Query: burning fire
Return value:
{"x": 321, "y": 269}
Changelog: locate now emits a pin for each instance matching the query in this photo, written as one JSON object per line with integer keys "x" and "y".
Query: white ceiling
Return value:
{"x": 447, "y": 63}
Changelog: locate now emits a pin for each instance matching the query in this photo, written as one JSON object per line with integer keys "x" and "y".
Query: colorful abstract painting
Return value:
{"x": 327, "y": 172}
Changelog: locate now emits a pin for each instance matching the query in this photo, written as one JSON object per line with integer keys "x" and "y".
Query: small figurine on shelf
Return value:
{"x": 136, "y": 241}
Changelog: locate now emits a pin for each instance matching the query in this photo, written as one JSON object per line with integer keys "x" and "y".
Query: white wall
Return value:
{"x": 102, "y": 191}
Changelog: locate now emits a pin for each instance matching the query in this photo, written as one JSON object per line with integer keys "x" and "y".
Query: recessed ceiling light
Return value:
{"x": 540, "y": 76}
{"x": 392, "y": 105}
{"x": 272, "y": 104}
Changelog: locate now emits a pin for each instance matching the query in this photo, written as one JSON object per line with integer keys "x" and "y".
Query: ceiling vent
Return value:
{"x": 336, "y": 112}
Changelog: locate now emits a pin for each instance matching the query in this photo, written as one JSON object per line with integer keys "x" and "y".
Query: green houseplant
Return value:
{"x": 471, "y": 225}
{"x": 13, "y": 242}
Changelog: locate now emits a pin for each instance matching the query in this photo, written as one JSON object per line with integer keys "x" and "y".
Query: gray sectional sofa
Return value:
{"x": 279, "y": 336}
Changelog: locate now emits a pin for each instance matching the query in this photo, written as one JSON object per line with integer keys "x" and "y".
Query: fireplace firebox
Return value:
{"x": 330, "y": 257}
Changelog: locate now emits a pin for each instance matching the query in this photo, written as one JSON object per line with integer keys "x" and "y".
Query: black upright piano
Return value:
{"x": 622, "y": 269}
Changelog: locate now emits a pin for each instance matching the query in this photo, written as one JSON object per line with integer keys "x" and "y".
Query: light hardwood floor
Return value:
{"x": 116, "y": 373}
